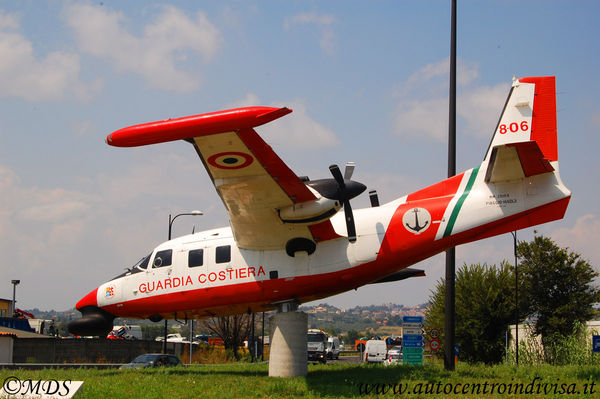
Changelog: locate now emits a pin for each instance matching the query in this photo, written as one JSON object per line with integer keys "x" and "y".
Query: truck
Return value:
{"x": 317, "y": 346}
{"x": 125, "y": 332}
{"x": 41, "y": 326}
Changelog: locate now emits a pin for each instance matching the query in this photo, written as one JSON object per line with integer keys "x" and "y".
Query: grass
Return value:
{"x": 244, "y": 380}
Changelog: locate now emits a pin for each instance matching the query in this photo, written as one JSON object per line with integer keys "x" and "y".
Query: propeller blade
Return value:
{"x": 337, "y": 175}
{"x": 350, "y": 222}
{"x": 349, "y": 170}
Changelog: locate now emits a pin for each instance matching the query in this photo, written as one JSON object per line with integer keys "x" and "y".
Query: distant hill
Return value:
{"x": 322, "y": 316}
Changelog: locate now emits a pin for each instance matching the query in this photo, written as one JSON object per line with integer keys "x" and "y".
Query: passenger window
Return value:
{"x": 223, "y": 254}
{"x": 195, "y": 258}
{"x": 163, "y": 258}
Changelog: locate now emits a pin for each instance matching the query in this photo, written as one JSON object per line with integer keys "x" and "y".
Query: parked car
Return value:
{"x": 395, "y": 350}
{"x": 393, "y": 358}
{"x": 152, "y": 360}
{"x": 375, "y": 351}
{"x": 172, "y": 338}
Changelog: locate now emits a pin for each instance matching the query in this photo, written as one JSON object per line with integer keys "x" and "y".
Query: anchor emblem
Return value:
{"x": 413, "y": 224}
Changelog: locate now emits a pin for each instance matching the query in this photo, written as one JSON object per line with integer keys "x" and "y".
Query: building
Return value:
{"x": 526, "y": 336}
{"x": 6, "y": 307}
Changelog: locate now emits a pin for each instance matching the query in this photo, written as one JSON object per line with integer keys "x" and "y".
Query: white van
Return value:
{"x": 375, "y": 351}
{"x": 333, "y": 348}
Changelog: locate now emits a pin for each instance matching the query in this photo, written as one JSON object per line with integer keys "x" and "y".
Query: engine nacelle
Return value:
{"x": 310, "y": 212}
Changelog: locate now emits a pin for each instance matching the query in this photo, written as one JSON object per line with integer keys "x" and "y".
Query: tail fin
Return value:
{"x": 524, "y": 143}
{"x": 517, "y": 185}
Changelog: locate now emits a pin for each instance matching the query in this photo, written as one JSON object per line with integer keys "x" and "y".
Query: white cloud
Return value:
{"x": 422, "y": 109}
{"x": 324, "y": 24}
{"x": 8, "y": 21}
{"x": 480, "y": 108}
{"x": 25, "y": 75}
{"x": 250, "y": 100}
{"x": 424, "y": 118}
{"x": 297, "y": 131}
{"x": 51, "y": 237}
{"x": 157, "y": 54}
{"x": 56, "y": 211}
{"x": 582, "y": 238}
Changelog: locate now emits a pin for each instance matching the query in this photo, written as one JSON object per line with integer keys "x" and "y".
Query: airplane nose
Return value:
{"x": 94, "y": 320}
{"x": 90, "y": 299}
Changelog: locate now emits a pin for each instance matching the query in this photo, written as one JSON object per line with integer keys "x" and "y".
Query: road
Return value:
{"x": 354, "y": 359}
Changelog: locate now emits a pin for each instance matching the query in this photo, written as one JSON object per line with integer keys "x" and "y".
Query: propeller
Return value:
{"x": 341, "y": 189}
{"x": 346, "y": 190}
{"x": 349, "y": 170}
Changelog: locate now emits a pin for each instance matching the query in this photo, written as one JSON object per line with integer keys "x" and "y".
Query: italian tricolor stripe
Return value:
{"x": 460, "y": 202}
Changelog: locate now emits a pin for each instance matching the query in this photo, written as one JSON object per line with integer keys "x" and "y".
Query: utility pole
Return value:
{"x": 514, "y": 234}
{"x": 14, "y": 301}
{"x": 449, "y": 323}
{"x": 171, "y": 220}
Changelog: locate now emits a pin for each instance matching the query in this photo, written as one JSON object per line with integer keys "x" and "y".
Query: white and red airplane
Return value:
{"x": 289, "y": 244}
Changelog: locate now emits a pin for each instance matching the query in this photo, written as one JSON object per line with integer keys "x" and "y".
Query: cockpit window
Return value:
{"x": 163, "y": 258}
{"x": 143, "y": 263}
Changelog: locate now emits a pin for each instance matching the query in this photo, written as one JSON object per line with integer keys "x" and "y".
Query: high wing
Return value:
{"x": 253, "y": 182}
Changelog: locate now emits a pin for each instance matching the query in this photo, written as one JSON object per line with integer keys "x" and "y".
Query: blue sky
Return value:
{"x": 367, "y": 82}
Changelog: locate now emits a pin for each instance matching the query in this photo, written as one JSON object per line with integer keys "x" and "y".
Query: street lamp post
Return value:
{"x": 514, "y": 234}
{"x": 171, "y": 220}
{"x": 14, "y": 301}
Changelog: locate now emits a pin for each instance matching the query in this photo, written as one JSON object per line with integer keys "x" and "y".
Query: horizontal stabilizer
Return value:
{"x": 515, "y": 161}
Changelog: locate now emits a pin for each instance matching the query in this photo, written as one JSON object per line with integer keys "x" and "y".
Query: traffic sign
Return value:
{"x": 434, "y": 345}
{"x": 412, "y": 331}
{"x": 413, "y": 344}
{"x": 596, "y": 343}
{"x": 434, "y": 333}
{"x": 412, "y": 338}
{"x": 412, "y": 319}
{"x": 412, "y": 355}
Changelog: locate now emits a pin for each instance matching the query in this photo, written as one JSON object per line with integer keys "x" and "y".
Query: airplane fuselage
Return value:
{"x": 205, "y": 274}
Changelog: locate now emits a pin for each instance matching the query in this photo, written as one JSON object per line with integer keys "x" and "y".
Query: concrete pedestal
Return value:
{"x": 288, "y": 348}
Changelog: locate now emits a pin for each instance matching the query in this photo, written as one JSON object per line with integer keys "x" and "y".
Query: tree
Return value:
{"x": 351, "y": 337}
{"x": 558, "y": 288}
{"x": 231, "y": 329}
{"x": 484, "y": 309}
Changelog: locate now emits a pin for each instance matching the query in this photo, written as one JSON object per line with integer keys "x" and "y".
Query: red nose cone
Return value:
{"x": 90, "y": 299}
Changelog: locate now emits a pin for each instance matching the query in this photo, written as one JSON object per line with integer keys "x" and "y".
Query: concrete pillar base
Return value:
{"x": 288, "y": 349}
